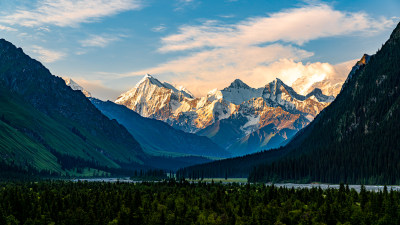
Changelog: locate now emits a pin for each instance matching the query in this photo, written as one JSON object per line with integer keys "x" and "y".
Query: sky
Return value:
{"x": 107, "y": 46}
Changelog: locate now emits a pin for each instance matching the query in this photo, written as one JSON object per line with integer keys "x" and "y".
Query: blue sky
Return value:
{"x": 107, "y": 46}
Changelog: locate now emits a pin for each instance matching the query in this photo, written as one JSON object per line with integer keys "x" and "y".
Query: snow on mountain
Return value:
{"x": 278, "y": 94}
{"x": 151, "y": 98}
{"x": 237, "y": 92}
{"x": 245, "y": 109}
{"x": 75, "y": 86}
{"x": 317, "y": 93}
{"x": 328, "y": 84}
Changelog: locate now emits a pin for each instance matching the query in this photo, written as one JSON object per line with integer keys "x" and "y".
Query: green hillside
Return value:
{"x": 48, "y": 126}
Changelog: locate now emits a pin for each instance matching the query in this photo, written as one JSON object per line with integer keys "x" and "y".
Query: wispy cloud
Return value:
{"x": 255, "y": 49}
{"x": 69, "y": 12}
{"x": 99, "y": 40}
{"x": 227, "y": 16}
{"x": 159, "y": 28}
{"x": 5, "y": 28}
{"x": 46, "y": 55}
{"x": 44, "y": 28}
{"x": 183, "y": 4}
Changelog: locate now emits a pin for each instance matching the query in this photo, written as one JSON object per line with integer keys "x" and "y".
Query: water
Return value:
{"x": 109, "y": 180}
{"x": 374, "y": 188}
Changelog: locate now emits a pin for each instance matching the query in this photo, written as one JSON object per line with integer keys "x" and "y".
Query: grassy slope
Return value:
{"x": 40, "y": 113}
{"x": 20, "y": 137}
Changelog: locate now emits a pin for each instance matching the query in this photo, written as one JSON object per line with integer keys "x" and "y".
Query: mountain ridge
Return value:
{"x": 236, "y": 101}
{"x": 61, "y": 120}
{"x": 168, "y": 140}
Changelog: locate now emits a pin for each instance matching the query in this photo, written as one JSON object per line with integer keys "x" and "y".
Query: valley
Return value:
{"x": 131, "y": 112}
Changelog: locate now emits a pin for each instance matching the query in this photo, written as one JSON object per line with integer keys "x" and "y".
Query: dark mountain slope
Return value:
{"x": 45, "y": 116}
{"x": 157, "y": 137}
{"x": 354, "y": 140}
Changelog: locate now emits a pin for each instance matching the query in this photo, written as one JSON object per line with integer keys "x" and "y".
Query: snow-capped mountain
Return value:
{"x": 331, "y": 81}
{"x": 75, "y": 86}
{"x": 236, "y": 93}
{"x": 151, "y": 98}
{"x": 229, "y": 115}
{"x": 328, "y": 85}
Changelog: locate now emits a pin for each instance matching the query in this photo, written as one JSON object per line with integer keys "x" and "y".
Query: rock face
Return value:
{"x": 232, "y": 117}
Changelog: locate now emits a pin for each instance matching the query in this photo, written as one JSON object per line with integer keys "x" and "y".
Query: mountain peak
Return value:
{"x": 279, "y": 82}
{"x": 237, "y": 83}
{"x": 396, "y": 32}
{"x": 276, "y": 83}
{"x": 364, "y": 60}
{"x": 150, "y": 79}
{"x": 317, "y": 93}
{"x": 277, "y": 87}
{"x": 75, "y": 86}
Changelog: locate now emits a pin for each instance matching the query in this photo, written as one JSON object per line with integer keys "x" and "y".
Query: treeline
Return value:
{"x": 182, "y": 202}
{"x": 78, "y": 164}
{"x": 11, "y": 172}
{"x": 237, "y": 167}
{"x": 73, "y": 166}
{"x": 369, "y": 162}
{"x": 150, "y": 175}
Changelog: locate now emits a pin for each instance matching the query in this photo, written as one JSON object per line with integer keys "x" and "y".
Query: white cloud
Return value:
{"x": 46, "y": 55}
{"x": 5, "y": 28}
{"x": 69, "y": 12}
{"x": 298, "y": 25}
{"x": 305, "y": 77}
{"x": 206, "y": 70}
{"x": 258, "y": 49}
{"x": 99, "y": 40}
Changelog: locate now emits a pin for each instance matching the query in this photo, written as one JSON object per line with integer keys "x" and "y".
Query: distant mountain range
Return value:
{"x": 355, "y": 139}
{"x": 52, "y": 126}
{"x": 239, "y": 118}
{"x": 49, "y": 126}
{"x": 156, "y": 137}
{"x": 159, "y": 138}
